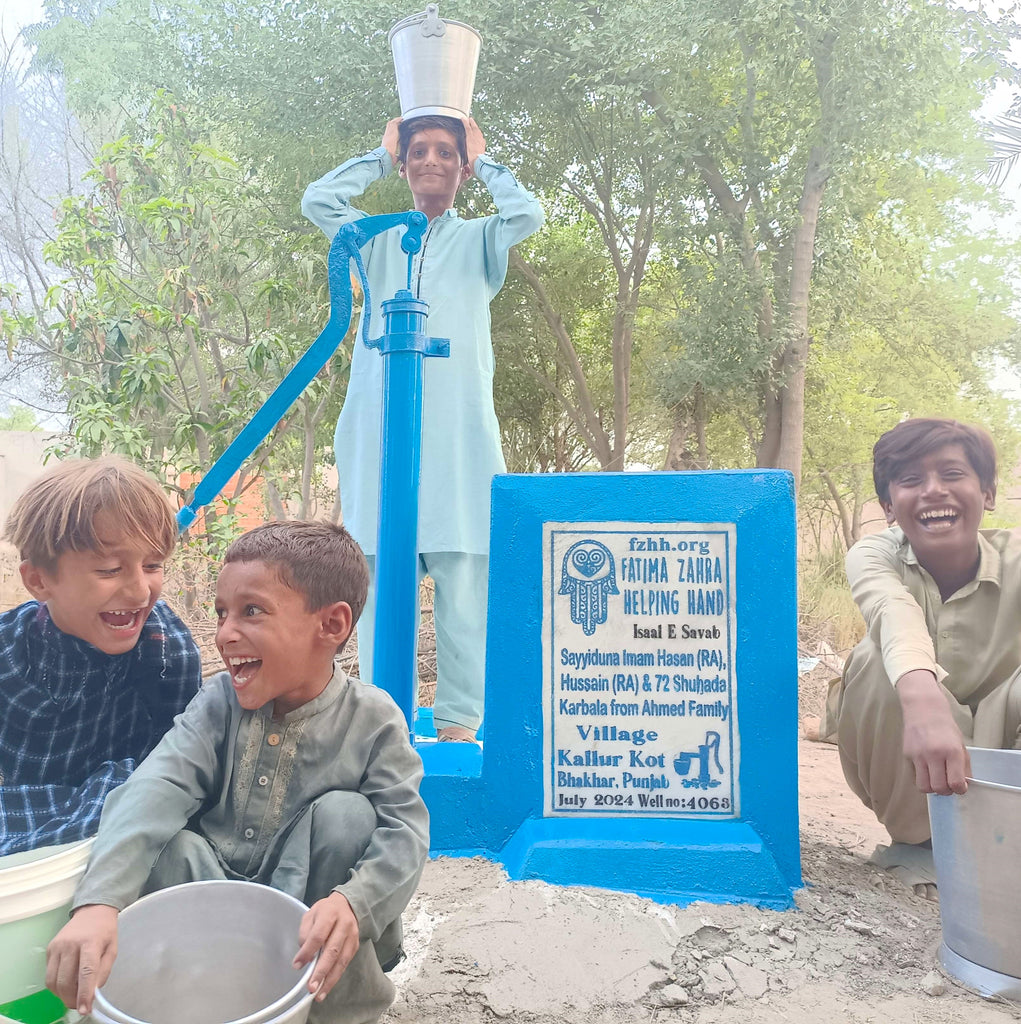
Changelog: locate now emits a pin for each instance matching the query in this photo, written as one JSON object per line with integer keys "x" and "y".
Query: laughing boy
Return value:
{"x": 93, "y": 671}
{"x": 938, "y": 668}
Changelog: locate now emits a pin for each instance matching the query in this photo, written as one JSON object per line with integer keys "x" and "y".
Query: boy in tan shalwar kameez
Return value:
{"x": 939, "y": 665}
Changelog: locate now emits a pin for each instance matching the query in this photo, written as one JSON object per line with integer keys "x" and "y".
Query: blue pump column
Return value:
{"x": 403, "y": 346}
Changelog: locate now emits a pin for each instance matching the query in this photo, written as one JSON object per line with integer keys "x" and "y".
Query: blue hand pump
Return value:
{"x": 403, "y": 346}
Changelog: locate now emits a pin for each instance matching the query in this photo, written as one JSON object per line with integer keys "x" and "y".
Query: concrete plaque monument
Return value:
{"x": 641, "y": 689}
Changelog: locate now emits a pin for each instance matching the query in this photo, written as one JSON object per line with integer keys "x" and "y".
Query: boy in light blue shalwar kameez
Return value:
{"x": 461, "y": 267}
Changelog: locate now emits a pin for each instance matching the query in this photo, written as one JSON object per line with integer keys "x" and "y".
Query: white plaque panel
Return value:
{"x": 640, "y": 698}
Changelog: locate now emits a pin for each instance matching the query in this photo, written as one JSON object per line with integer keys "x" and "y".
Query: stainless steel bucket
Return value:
{"x": 435, "y": 62}
{"x": 976, "y": 843}
{"x": 217, "y": 952}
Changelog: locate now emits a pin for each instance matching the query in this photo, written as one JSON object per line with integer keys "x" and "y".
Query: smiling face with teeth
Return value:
{"x": 938, "y": 501}
{"x": 102, "y": 597}
{"x": 274, "y": 646}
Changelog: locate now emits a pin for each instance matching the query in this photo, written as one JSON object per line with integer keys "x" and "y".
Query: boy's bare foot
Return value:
{"x": 455, "y": 734}
{"x": 911, "y": 864}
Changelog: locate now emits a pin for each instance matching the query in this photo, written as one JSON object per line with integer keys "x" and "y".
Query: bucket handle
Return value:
{"x": 992, "y": 785}
{"x": 433, "y": 25}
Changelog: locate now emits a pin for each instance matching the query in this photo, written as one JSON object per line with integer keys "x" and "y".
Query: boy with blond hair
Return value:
{"x": 93, "y": 671}
{"x": 283, "y": 770}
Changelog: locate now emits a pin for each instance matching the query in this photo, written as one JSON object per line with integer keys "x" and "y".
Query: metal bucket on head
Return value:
{"x": 976, "y": 844}
{"x": 435, "y": 62}
{"x": 216, "y": 952}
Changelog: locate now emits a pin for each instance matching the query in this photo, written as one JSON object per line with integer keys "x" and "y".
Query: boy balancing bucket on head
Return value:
{"x": 35, "y": 895}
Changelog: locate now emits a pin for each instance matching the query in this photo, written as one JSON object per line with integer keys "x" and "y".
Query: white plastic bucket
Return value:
{"x": 216, "y": 952}
{"x": 435, "y": 62}
{"x": 36, "y": 889}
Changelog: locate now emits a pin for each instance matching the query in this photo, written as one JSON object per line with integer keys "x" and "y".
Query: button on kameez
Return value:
{"x": 273, "y": 739}
{"x": 249, "y": 833}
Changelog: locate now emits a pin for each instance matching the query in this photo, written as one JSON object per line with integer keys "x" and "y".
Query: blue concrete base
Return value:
{"x": 490, "y": 801}
{"x": 450, "y": 759}
{"x": 666, "y": 861}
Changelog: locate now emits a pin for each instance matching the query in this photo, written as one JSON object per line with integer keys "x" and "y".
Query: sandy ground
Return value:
{"x": 858, "y": 948}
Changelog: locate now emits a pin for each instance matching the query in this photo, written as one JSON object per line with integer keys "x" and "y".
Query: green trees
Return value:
{"x": 179, "y": 306}
{"x": 759, "y": 246}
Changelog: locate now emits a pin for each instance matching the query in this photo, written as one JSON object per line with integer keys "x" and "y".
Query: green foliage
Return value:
{"x": 19, "y": 417}
{"x": 182, "y": 304}
{"x": 682, "y": 283}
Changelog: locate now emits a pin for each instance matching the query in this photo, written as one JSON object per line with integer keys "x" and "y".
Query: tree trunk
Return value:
{"x": 676, "y": 449}
{"x": 276, "y": 504}
{"x": 843, "y": 512}
{"x": 689, "y": 418}
{"x": 701, "y": 418}
{"x": 795, "y": 356}
{"x": 622, "y": 341}
{"x": 768, "y": 450}
{"x": 584, "y": 414}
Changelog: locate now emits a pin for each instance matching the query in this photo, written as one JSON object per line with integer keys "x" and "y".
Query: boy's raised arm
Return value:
{"x": 327, "y": 202}
{"x": 519, "y": 213}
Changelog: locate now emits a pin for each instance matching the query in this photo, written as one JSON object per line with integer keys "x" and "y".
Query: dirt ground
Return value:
{"x": 858, "y": 948}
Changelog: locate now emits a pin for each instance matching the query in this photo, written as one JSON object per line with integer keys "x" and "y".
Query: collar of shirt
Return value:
{"x": 335, "y": 689}
{"x": 989, "y": 563}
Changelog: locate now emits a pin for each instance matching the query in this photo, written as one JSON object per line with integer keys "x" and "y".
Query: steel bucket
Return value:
{"x": 435, "y": 62}
{"x": 216, "y": 952}
{"x": 976, "y": 844}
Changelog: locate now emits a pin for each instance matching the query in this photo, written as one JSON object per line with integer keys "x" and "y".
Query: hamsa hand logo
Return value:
{"x": 588, "y": 576}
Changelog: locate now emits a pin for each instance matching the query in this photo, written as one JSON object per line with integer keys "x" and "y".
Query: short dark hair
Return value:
{"x": 915, "y": 438}
{"x": 406, "y": 129}
{"x": 320, "y": 561}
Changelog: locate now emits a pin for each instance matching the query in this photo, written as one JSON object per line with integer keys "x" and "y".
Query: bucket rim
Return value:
{"x": 414, "y": 19}
{"x": 55, "y": 857}
{"x": 39, "y": 886}
{"x": 289, "y": 1000}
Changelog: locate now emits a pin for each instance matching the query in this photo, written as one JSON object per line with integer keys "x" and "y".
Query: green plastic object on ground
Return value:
{"x": 39, "y": 1008}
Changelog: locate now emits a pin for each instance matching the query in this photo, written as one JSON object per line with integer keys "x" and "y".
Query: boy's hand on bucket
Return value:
{"x": 932, "y": 740}
{"x": 392, "y": 139}
{"x": 79, "y": 959}
{"x": 474, "y": 141}
{"x": 330, "y": 929}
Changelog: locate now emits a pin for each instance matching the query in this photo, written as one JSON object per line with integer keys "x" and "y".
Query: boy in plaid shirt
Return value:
{"x": 94, "y": 670}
